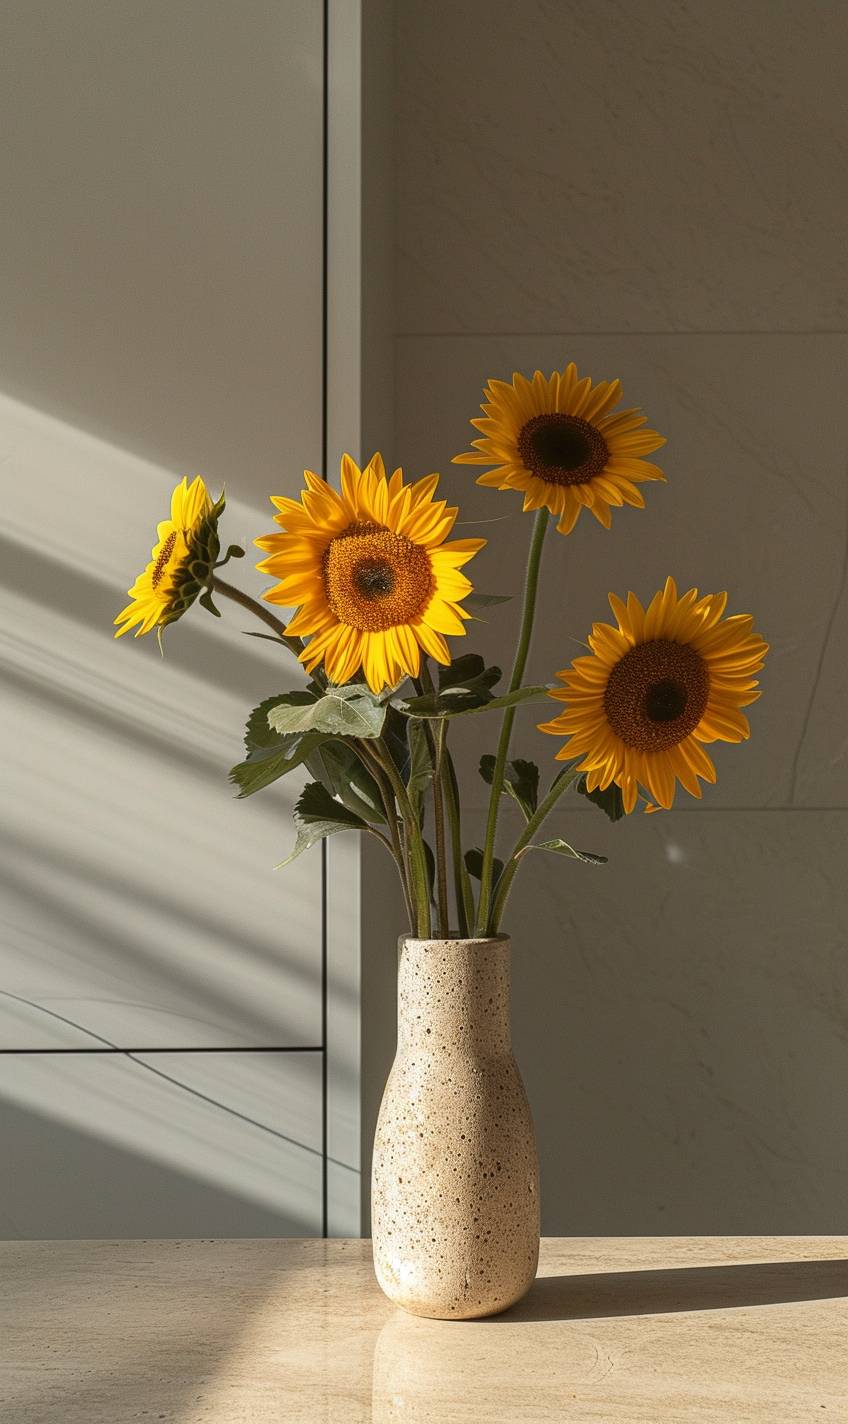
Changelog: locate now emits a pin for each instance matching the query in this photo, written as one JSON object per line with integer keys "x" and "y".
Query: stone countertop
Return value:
{"x": 642, "y": 1330}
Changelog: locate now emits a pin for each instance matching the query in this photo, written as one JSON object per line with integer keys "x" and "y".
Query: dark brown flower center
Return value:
{"x": 562, "y": 449}
{"x": 376, "y": 579}
{"x": 162, "y": 562}
{"x": 657, "y": 694}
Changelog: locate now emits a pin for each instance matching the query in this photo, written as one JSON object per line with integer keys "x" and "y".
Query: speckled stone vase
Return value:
{"x": 455, "y": 1178}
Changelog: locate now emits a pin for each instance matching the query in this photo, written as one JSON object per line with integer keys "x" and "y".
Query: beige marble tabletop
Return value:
{"x": 248, "y": 1332}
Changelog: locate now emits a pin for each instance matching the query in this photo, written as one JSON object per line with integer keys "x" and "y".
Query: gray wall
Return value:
{"x": 657, "y": 191}
{"x": 161, "y": 298}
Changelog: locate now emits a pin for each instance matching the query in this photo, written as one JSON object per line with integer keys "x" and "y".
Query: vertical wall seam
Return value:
{"x": 325, "y": 1212}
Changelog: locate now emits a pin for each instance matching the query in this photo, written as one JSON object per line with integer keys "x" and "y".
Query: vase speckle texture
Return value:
{"x": 455, "y": 1177}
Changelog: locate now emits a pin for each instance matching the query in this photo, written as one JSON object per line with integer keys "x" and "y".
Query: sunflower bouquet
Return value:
{"x": 378, "y": 589}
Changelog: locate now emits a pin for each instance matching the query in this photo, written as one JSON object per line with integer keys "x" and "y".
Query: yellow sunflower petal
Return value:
{"x": 666, "y": 680}
{"x": 370, "y": 573}
{"x": 558, "y": 441}
{"x": 180, "y": 560}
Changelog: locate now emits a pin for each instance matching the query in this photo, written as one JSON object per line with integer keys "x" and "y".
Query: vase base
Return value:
{"x": 462, "y": 1303}
{"x": 465, "y": 1313}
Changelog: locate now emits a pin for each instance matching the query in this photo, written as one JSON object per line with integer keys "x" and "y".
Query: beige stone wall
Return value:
{"x": 161, "y": 291}
{"x": 656, "y": 190}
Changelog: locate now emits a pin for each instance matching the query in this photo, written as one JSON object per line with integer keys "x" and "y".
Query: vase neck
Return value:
{"x": 454, "y": 996}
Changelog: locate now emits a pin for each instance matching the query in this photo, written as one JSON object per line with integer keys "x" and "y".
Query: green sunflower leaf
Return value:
{"x": 429, "y": 707}
{"x": 395, "y": 739}
{"x": 563, "y": 848}
{"x": 350, "y": 711}
{"x": 335, "y": 764}
{"x": 419, "y": 770}
{"x": 259, "y": 734}
{"x": 464, "y": 685}
{"x": 268, "y": 764}
{"x": 316, "y": 816}
{"x": 268, "y": 754}
{"x": 537, "y": 693}
{"x": 521, "y": 782}
{"x": 610, "y": 801}
{"x": 467, "y": 672}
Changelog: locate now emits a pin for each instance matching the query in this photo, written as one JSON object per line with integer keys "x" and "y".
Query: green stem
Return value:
{"x": 259, "y": 610}
{"x": 531, "y": 588}
{"x": 540, "y": 814}
{"x": 461, "y": 878}
{"x": 386, "y": 785}
{"x": 420, "y": 881}
{"x": 437, "y": 742}
{"x": 384, "y": 840}
{"x": 372, "y": 765}
{"x": 439, "y": 818}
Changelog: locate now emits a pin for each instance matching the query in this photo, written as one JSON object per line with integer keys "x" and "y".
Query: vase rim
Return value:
{"x": 454, "y": 939}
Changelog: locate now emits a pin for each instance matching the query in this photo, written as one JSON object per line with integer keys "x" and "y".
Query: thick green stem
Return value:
{"x": 439, "y": 819}
{"x": 543, "y": 810}
{"x": 372, "y": 764}
{"x": 437, "y": 743}
{"x": 461, "y": 878}
{"x": 420, "y": 880}
{"x": 259, "y": 610}
{"x": 531, "y": 588}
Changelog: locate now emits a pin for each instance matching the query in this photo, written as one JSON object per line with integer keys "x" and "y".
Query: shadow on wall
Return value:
{"x": 60, "y": 1183}
{"x": 137, "y": 889}
{"x": 112, "y": 1146}
{"x": 685, "y": 1075}
{"x": 140, "y": 907}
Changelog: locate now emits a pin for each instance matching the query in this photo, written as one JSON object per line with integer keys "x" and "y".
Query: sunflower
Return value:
{"x": 668, "y": 679}
{"x": 180, "y": 561}
{"x": 369, "y": 572}
{"x": 559, "y": 441}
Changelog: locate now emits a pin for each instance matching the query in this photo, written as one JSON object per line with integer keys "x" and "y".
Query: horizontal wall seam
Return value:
{"x": 550, "y": 335}
{"x": 258, "y": 1048}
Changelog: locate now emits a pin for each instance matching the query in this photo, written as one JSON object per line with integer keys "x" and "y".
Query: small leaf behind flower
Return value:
{"x": 316, "y": 816}
{"x": 464, "y": 687}
{"x": 439, "y": 706}
{"x": 521, "y": 782}
{"x": 610, "y": 801}
{"x": 486, "y": 600}
{"x": 464, "y": 684}
{"x": 474, "y": 865}
{"x": 466, "y": 672}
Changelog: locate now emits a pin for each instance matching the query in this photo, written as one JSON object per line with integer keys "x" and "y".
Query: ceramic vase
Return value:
{"x": 455, "y": 1178}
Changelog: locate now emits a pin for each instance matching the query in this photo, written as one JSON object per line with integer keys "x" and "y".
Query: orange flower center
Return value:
{"x": 162, "y": 562}
{"x": 562, "y": 449}
{"x": 376, "y": 579}
{"x": 656, "y": 695}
